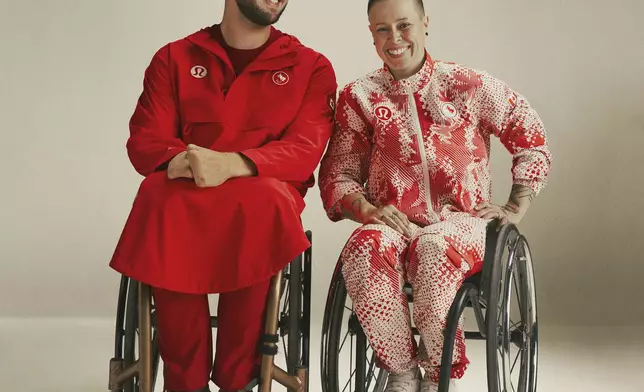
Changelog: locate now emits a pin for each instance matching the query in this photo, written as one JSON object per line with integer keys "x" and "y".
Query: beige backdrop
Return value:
{"x": 71, "y": 71}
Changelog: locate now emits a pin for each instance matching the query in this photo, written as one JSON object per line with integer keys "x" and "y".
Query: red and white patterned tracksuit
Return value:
{"x": 422, "y": 144}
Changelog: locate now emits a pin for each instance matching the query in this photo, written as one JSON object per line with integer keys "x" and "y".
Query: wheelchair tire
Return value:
{"x": 512, "y": 268}
{"x": 126, "y": 337}
{"x": 366, "y": 377}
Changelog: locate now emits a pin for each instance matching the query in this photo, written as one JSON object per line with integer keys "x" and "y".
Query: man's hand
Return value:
{"x": 358, "y": 209}
{"x": 212, "y": 168}
{"x": 179, "y": 167}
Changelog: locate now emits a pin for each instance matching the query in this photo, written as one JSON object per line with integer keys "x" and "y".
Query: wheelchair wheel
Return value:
{"x": 511, "y": 325}
{"x": 295, "y": 313}
{"x": 127, "y": 332}
{"x": 340, "y": 328}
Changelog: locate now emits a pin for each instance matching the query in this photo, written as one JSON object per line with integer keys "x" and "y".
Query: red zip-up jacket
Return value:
{"x": 278, "y": 112}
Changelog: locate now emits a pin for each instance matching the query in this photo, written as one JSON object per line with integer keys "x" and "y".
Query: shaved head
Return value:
{"x": 419, "y": 3}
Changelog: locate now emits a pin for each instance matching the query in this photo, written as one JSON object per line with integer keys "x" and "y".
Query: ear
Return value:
{"x": 426, "y": 21}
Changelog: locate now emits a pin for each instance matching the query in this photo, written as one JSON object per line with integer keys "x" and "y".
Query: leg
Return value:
{"x": 241, "y": 324}
{"x": 185, "y": 339}
{"x": 373, "y": 272}
{"x": 439, "y": 258}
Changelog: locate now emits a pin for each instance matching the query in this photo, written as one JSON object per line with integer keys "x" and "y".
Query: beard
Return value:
{"x": 253, "y": 12}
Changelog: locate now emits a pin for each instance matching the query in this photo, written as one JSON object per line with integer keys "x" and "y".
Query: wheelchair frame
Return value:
{"x": 484, "y": 290}
{"x": 139, "y": 375}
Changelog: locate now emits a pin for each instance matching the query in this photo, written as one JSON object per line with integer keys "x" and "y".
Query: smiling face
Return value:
{"x": 398, "y": 28}
{"x": 262, "y": 12}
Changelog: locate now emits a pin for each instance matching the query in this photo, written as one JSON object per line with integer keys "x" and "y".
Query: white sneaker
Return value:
{"x": 428, "y": 386}
{"x": 404, "y": 382}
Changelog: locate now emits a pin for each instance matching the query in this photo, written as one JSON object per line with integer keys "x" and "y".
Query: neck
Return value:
{"x": 405, "y": 73}
{"x": 241, "y": 33}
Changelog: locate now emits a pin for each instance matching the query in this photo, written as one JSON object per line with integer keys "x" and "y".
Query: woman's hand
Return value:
{"x": 508, "y": 213}
{"x": 358, "y": 209}
{"x": 513, "y": 211}
{"x": 390, "y": 216}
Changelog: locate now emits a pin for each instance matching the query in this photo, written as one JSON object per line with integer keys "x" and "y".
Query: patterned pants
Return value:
{"x": 376, "y": 263}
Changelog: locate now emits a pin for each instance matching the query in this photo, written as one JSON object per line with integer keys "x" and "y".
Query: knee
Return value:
{"x": 263, "y": 192}
{"x": 426, "y": 252}
{"x": 259, "y": 187}
{"x": 371, "y": 247}
{"x": 371, "y": 238}
{"x": 428, "y": 243}
{"x": 436, "y": 254}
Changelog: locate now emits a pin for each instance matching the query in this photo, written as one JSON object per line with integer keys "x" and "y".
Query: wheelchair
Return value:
{"x": 507, "y": 268}
{"x": 135, "y": 365}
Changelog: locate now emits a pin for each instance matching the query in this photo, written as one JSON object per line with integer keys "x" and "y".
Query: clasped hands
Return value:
{"x": 208, "y": 168}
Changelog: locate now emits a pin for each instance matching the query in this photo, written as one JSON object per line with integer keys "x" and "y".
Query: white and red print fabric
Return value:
{"x": 422, "y": 144}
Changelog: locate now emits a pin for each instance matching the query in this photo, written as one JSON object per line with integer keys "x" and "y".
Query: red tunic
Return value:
{"x": 278, "y": 111}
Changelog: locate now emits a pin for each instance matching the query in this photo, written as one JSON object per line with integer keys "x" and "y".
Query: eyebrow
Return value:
{"x": 399, "y": 20}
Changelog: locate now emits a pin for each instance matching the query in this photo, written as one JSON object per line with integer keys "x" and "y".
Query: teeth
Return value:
{"x": 274, "y": 1}
{"x": 397, "y": 52}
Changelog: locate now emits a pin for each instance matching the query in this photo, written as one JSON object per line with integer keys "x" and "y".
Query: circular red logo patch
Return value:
{"x": 382, "y": 113}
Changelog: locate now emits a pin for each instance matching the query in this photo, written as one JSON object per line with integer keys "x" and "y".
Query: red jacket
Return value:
{"x": 278, "y": 112}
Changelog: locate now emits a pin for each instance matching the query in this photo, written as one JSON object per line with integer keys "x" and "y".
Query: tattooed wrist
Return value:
{"x": 352, "y": 209}
{"x": 520, "y": 199}
{"x": 521, "y": 195}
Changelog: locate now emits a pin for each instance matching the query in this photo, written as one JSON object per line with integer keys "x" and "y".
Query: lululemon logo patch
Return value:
{"x": 280, "y": 78}
{"x": 382, "y": 113}
{"x": 199, "y": 71}
{"x": 448, "y": 110}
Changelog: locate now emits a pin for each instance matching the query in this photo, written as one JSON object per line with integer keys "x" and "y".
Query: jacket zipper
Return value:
{"x": 423, "y": 153}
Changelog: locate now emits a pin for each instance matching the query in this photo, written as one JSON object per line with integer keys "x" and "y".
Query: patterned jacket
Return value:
{"x": 427, "y": 138}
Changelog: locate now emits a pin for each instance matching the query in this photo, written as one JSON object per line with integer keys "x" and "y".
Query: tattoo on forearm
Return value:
{"x": 352, "y": 211}
{"x": 520, "y": 195}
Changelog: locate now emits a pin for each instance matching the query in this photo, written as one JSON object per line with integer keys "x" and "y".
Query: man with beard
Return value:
{"x": 228, "y": 130}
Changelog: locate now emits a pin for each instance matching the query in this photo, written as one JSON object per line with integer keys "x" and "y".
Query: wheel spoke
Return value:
{"x": 344, "y": 340}
{"x": 348, "y": 384}
{"x": 351, "y": 366}
{"x": 519, "y": 296}
{"x": 515, "y": 359}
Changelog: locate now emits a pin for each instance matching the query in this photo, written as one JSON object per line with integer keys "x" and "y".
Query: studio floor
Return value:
{"x": 72, "y": 355}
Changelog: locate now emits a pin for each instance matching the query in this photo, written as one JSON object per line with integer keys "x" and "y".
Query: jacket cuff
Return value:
{"x": 262, "y": 165}
{"x": 536, "y": 185}
{"x": 336, "y": 193}
{"x": 170, "y": 153}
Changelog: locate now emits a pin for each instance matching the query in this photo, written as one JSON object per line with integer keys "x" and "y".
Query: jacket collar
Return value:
{"x": 414, "y": 82}
{"x": 280, "y": 54}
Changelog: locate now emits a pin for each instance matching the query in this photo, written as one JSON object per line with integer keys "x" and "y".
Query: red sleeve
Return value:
{"x": 345, "y": 164}
{"x": 508, "y": 115}
{"x": 154, "y": 130}
{"x": 296, "y": 155}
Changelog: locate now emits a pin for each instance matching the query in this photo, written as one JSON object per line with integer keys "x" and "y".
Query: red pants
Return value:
{"x": 185, "y": 338}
